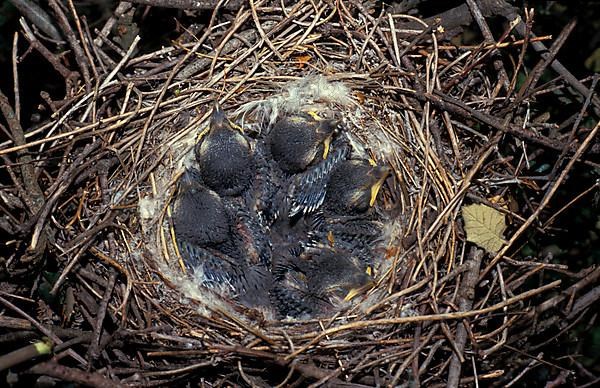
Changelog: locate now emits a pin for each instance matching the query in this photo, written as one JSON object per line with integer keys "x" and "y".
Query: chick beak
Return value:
{"x": 187, "y": 179}
{"x": 383, "y": 173}
{"x": 218, "y": 120}
{"x": 326, "y": 145}
{"x": 328, "y": 128}
{"x": 358, "y": 290}
{"x": 314, "y": 115}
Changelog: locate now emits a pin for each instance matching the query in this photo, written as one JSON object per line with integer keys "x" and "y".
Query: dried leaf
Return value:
{"x": 498, "y": 200}
{"x": 484, "y": 226}
{"x": 302, "y": 60}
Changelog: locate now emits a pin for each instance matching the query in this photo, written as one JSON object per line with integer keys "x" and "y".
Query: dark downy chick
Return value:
{"x": 335, "y": 276}
{"x": 288, "y": 235}
{"x": 249, "y": 236}
{"x": 317, "y": 282}
{"x": 290, "y": 287}
{"x": 360, "y": 235}
{"x": 200, "y": 217}
{"x": 202, "y": 222}
{"x": 300, "y": 140}
{"x": 263, "y": 194}
{"x": 228, "y": 276}
{"x": 308, "y": 189}
{"x": 346, "y": 221}
{"x": 353, "y": 187}
{"x": 225, "y": 157}
{"x": 290, "y": 295}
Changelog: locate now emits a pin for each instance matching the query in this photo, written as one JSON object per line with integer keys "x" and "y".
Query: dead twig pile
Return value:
{"x": 88, "y": 259}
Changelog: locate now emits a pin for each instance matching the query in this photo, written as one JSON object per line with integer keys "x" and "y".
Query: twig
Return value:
{"x": 69, "y": 76}
{"x": 25, "y": 354}
{"x": 465, "y": 303}
{"x": 73, "y": 375}
{"x": 262, "y": 32}
{"x": 93, "y": 352}
{"x": 41, "y": 328}
{"x": 190, "y": 4}
{"x": 35, "y": 199}
{"x": 16, "y": 77}
{"x": 547, "y": 59}
{"x": 545, "y": 201}
{"x": 556, "y": 65}
{"x": 574, "y": 129}
{"x": 120, "y": 10}
{"x": 489, "y": 39}
{"x": 317, "y": 336}
{"x": 63, "y": 22}
{"x": 38, "y": 17}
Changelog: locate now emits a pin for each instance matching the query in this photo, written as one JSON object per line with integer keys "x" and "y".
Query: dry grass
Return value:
{"x": 453, "y": 130}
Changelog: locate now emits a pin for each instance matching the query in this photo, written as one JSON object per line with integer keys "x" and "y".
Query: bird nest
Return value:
{"x": 453, "y": 297}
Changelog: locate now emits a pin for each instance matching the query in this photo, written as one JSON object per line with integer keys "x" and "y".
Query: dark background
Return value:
{"x": 573, "y": 241}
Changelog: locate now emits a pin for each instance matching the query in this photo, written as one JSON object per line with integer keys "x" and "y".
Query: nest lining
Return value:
{"x": 141, "y": 134}
{"x": 312, "y": 93}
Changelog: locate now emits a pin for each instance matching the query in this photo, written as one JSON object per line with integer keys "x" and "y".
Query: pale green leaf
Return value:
{"x": 484, "y": 226}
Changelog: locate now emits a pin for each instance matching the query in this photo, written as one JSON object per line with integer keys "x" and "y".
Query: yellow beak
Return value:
{"x": 384, "y": 171}
{"x": 233, "y": 125}
{"x": 314, "y": 115}
{"x": 326, "y": 145}
{"x": 357, "y": 291}
{"x": 375, "y": 190}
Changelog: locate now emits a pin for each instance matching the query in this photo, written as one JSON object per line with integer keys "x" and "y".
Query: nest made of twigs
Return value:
{"x": 427, "y": 110}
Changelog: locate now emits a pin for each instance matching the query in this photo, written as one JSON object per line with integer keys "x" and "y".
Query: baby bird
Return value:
{"x": 299, "y": 140}
{"x": 225, "y": 157}
{"x": 353, "y": 187}
{"x": 307, "y": 190}
{"x": 289, "y": 294}
{"x": 362, "y": 235}
{"x": 249, "y": 237}
{"x": 228, "y": 276}
{"x": 200, "y": 216}
{"x": 335, "y": 276}
{"x": 263, "y": 195}
{"x": 318, "y": 282}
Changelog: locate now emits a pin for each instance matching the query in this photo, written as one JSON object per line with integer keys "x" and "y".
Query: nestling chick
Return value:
{"x": 308, "y": 189}
{"x": 335, "y": 276}
{"x": 200, "y": 217}
{"x": 225, "y": 157}
{"x": 360, "y": 234}
{"x": 249, "y": 237}
{"x": 353, "y": 187}
{"x": 289, "y": 294}
{"x": 318, "y": 281}
{"x": 263, "y": 195}
{"x": 299, "y": 140}
{"x": 248, "y": 284}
